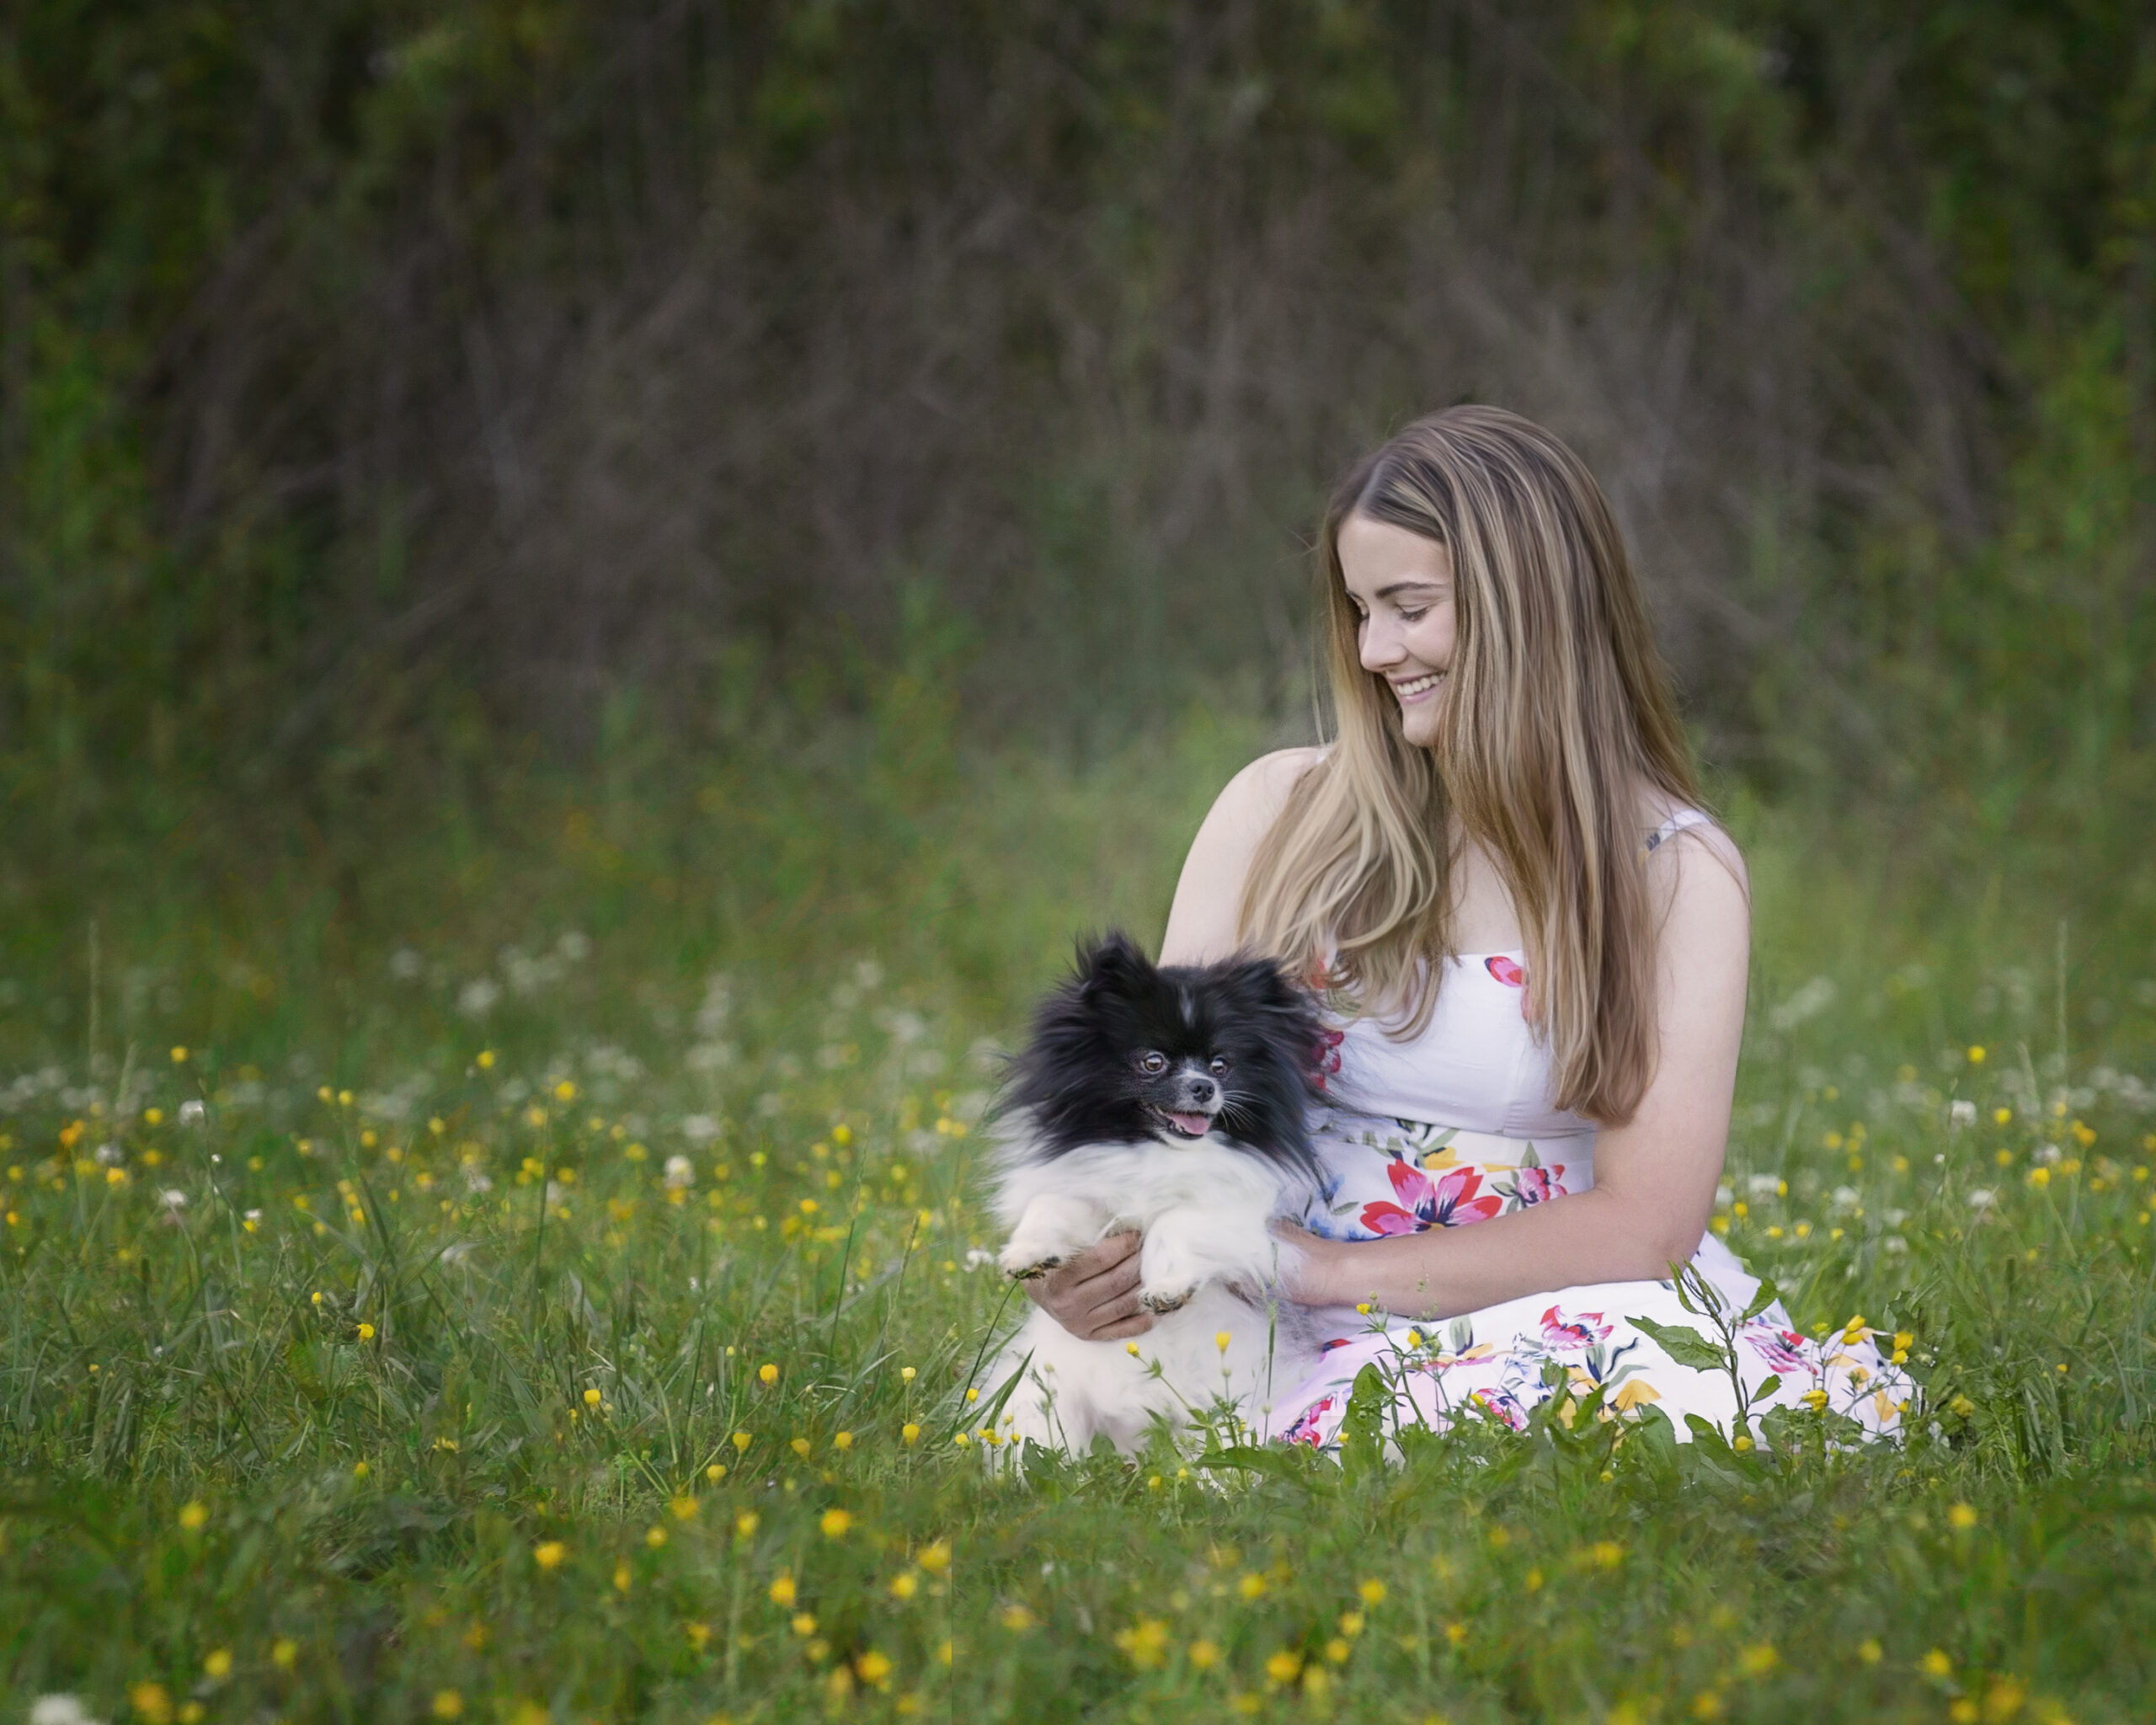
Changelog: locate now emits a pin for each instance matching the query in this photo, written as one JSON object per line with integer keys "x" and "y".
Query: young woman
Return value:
{"x": 1537, "y": 943}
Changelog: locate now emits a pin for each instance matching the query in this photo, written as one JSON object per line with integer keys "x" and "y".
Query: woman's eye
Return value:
{"x": 1413, "y": 616}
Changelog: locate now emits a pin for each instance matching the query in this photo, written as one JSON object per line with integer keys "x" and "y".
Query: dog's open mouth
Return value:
{"x": 1188, "y": 1125}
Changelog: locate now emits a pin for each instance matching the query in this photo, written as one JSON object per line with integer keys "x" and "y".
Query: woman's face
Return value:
{"x": 1402, "y": 587}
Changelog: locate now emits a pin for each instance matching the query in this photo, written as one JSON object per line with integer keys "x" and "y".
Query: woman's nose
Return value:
{"x": 1379, "y": 647}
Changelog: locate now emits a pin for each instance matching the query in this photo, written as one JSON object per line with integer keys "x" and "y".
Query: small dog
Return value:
{"x": 1174, "y": 1102}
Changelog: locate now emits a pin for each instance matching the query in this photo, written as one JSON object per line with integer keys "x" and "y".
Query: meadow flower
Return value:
{"x": 1937, "y": 1664}
{"x": 873, "y": 1669}
{"x": 622, "y": 1576}
{"x": 548, "y": 1554}
{"x": 745, "y": 1524}
{"x": 151, "y": 1702}
{"x": 741, "y": 1442}
{"x": 1962, "y": 1516}
{"x": 767, "y": 1375}
{"x": 906, "y": 1374}
{"x": 910, "y": 1432}
{"x": 448, "y": 1704}
{"x": 783, "y": 1593}
{"x": 193, "y": 1516}
{"x": 684, "y": 1506}
{"x": 284, "y": 1653}
{"x": 905, "y": 1586}
{"x": 935, "y": 1557}
{"x": 1284, "y": 1667}
{"x": 1017, "y": 1617}
{"x": 60, "y": 1710}
{"x": 654, "y": 1536}
{"x": 834, "y": 1524}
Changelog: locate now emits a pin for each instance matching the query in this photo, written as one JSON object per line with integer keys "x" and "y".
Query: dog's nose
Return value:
{"x": 1202, "y": 1090}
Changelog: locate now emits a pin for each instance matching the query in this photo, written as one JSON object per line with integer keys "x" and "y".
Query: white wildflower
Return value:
{"x": 700, "y": 1129}
{"x": 60, "y": 1710}
{"x": 574, "y": 946}
{"x": 1847, "y": 1198}
{"x": 1961, "y": 1112}
{"x": 1981, "y": 1198}
{"x": 111, "y": 1155}
{"x": 976, "y": 1256}
{"x": 476, "y": 998}
{"x": 1808, "y": 1002}
{"x": 173, "y": 1199}
{"x": 1894, "y": 1244}
{"x": 680, "y": 1174}
{"x": 406, "y": 965}
{"x": 192, "y": 1112}
{"x": 1764, "y": 1185}
{"x": 2048, "y": 1154}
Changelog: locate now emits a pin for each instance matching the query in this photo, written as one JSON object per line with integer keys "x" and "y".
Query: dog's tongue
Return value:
{"x": 1197, "y": 1125}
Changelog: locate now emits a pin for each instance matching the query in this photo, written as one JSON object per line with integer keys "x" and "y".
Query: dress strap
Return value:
{"x": 1684, "y": 820}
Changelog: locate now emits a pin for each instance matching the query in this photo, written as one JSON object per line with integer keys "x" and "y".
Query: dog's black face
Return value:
{"x": 1125, "y": 1051}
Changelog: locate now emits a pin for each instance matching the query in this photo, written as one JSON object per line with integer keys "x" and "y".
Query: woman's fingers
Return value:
{"x": 1094, "y": 1295}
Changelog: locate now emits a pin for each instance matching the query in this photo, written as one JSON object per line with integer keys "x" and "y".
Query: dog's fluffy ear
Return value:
{"x": 1111, "y": 961}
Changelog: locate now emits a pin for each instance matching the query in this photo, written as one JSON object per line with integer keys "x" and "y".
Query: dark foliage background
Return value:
{"x": 394, "y": 386}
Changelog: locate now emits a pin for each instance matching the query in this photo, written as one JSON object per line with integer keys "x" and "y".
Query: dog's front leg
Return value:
{"x": 1054, "y": 1226}
{"x": 1174, "y": 1260}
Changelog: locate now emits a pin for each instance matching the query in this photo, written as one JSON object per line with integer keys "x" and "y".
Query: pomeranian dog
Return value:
{"x": 1174, "y": 1102}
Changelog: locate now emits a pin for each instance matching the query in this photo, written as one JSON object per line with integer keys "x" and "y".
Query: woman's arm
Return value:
{"x": 1094, "y": 1295}
{"x": 1654, "y": 1177}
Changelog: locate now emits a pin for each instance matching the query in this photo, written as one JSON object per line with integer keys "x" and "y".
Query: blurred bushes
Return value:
{"x": 385, "y": 382}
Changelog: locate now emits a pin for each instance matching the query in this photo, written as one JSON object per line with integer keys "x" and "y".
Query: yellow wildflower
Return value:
{"x": 547, "y": 1554}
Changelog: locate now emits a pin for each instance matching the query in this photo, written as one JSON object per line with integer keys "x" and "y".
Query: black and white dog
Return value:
{"x": 1175, "y": 1101}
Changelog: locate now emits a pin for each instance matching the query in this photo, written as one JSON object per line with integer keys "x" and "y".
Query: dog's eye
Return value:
{"x": 1220, "y": 1066}
{"x": 1152, "y": 1065}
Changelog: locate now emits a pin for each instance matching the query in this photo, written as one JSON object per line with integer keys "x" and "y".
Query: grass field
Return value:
{"x": 530, "y": 1270}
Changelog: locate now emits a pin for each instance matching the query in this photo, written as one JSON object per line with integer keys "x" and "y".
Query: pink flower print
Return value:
{"x": 1538, "y": 1185}
{"x": 1505, "y": 970}
{"x": 1448, "y": 1203}
{"x": 1500, "y": 1405}
{"x": 1328, "y": 1055}
{"x": 1305, "y": 1429}
{"x": 1587, "y": 1329}
{"x": 1782, "y": 1349}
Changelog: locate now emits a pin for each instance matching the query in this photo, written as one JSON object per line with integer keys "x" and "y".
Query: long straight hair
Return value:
{"x": 1556, "y": 713}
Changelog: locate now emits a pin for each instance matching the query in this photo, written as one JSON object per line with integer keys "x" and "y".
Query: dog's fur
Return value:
{"x": 1173, "y": 1100}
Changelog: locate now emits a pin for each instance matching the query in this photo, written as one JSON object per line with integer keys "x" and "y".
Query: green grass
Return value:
{"x": 321, "y": 1442}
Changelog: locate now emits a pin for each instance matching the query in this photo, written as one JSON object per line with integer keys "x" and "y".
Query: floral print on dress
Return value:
{"x": 1449, "y": 1203}
{"x": 1430, "y": 1188}
{"x": 1505, "y": 970}
{"x": 1581, "y": 1346}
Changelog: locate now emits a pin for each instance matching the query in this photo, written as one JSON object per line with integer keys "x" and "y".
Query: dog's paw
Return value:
{"x": 1024, "y": 1266}
{"x": 1161, "y": 1302}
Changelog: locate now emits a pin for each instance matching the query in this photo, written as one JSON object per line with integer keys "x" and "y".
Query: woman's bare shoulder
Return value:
{"x": 1262, "y": 789}
{"x": 1202, "y": 922}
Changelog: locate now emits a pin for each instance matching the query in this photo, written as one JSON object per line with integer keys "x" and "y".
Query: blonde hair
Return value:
{"x": 1557, "y": 711}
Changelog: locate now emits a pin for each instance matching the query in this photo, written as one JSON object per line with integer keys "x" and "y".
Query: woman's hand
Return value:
{"x": 1094, "y": 1296}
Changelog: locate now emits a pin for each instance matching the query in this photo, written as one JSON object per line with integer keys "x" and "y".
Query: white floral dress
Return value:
{"x": 1452, "y": 1128}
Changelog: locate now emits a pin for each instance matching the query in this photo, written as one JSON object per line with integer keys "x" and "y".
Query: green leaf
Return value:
{"x": 1767, "y": 1295}
{"x": 1767, "y": 1386}
{"x": 1688, "y": 1347}
{"x": 1362, "y": 1427}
